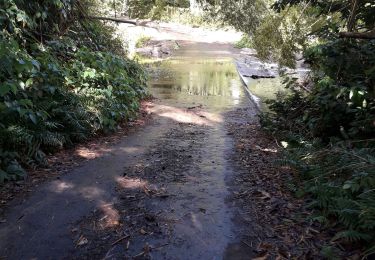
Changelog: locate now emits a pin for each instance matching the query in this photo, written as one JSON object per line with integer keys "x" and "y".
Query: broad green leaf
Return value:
{"x": 29, "y": 82}
{"x": 5, "y": 89}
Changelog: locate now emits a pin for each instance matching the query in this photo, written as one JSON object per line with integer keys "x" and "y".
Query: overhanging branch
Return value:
{"x": 359, "y": 35}
{"x": 117, "y": 20}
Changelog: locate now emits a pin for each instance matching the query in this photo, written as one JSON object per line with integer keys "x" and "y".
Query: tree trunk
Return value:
{"x": 359, "y": 35}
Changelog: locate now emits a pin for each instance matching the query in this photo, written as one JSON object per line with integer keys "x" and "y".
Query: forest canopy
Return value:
{"x": 281, "y": 28}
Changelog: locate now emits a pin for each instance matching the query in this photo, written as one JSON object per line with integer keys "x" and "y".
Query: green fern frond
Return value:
{"x": 351, "y": 235}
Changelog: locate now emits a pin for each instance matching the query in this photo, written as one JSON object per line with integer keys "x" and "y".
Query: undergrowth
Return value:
{"x": 244, "y": 42}
{"x": 142, "y": 41}
{"x": 63, "y": 79}
{"x": 328, "y": 135}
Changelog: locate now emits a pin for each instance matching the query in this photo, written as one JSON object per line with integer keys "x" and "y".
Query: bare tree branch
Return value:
{"x": 359, "y": 35}
{"x": 353, "y": 14}
{"x": 117, "y": 20}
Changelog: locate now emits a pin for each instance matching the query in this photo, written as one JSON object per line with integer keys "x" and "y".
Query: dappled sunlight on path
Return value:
{"x": 186, "y": 115}
{"x": 131, "y": 183}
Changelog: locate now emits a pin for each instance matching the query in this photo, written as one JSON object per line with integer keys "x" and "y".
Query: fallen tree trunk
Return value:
{"x": 359, "y": 35}
{"x": 117, "y": 20}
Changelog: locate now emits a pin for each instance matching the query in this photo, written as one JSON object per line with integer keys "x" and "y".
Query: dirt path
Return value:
{"x": 162, "y": 191}
{"x": 173, "y": 200}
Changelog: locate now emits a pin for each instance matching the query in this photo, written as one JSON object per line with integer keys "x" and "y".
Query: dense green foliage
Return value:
{"x": 142, "y": 41}
{"x": 340, "y": 179}
{"x": 244, "y": 42}
{"x": 341, "y": 102}
{"x": 245, "y": 16}
{"x": 62, "y": 80}
{"x": 329, "y": 132}
{"x": 154, "y": 9}
{"x": 330, "y": 135}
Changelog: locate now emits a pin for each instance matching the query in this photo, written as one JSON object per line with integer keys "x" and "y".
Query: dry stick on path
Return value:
{"x": 120, "y": 239}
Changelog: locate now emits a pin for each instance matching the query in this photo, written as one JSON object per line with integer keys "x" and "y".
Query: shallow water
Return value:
{"x": 211, "y": 80}
{"x": 264, "y": 89}
{"x": 197, "y": 72}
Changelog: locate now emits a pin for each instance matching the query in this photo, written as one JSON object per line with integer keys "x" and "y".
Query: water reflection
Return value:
{"x": 264, "y": 89}
{"x": 198, "y": 77}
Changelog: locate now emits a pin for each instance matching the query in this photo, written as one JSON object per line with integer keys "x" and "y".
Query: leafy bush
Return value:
{"x": 340, "y": 178}
{"x": 57, "y": 90}
{"x": 342, "y": 102}
{"x": 244, "y": 42}
{"x": 329, "y": 137}
{"x": 142, "y": 41}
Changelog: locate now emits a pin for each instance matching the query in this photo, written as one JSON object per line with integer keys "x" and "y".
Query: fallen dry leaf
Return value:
{"x": 82, "y": 241}
{"x": 261, "y": 257}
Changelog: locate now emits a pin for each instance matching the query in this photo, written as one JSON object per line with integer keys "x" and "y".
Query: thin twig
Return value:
{"x": 120, "y": 239}
{"x": 247, "y": 244}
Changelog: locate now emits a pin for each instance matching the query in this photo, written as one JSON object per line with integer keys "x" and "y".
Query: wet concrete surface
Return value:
{"x": 161, "y": 192}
